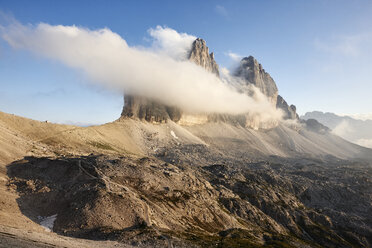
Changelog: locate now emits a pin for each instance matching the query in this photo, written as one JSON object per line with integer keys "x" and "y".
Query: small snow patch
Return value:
{"x": 47, "y": 222}
{"x": 174, "y": 135}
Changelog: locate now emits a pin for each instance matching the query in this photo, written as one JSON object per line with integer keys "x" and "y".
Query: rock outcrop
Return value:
{"x": 153, "y": 111}
{"x": 150, "y": 110}
{"x": 253, "y": 73}
{"x": 206, "y": 197}
{"x": 200, "y": 55}
{"x": 315, "y": 126}
{"x": 249, "y": 70}
{"x": 289, "y": 111}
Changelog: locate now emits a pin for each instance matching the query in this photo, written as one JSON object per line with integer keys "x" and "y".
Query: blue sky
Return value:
{"x": 318, "y": 52}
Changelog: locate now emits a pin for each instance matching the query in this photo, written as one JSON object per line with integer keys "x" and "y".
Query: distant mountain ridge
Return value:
{"x": 351, "y": 129}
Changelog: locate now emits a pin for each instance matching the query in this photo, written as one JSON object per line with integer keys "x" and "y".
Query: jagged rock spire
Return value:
{"x": 253, "y": 73}
{"x": 250, "y": 70}
{"x": 289, "y": 111}
{"x": 200, "y": 55}
{"x": 154, "y": 111}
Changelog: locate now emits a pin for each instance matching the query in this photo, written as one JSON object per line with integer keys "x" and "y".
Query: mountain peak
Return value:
{"x": 199, "y": 54}
{"x": 154, "y": 111}
{"x": 253, "y": 73}
{"x": 250, "y": 70}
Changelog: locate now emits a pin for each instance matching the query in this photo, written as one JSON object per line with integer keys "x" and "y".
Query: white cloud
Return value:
{"x": 360, "y": 116}
{"x": 235, "y": 57}
{"x": 221, "y": 10}
{"x": 169, "y": 41}
{"x": 105, "y": 58}
{"x": 364, "y": 142}
{"x": 343, "y": 129}
{"x": 352, "y": 134}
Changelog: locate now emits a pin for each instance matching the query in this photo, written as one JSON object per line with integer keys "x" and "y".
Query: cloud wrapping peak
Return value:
{"x": 360, "y": 116}
{"x": 235, "y": 57}
{"x": 170, "y": 42}
{"x": 159, "y": 72}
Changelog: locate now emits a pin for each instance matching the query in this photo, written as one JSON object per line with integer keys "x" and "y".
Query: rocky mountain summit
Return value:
{"x": 154, "y": 111}
{"x": 253, "y": 73}
{"x": 249, "y": 70}
{"x": 289, "y": 111}
{"x": 200, "y": 55}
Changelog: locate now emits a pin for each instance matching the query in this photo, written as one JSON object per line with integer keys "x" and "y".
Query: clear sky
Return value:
{"x": 319, "y": 52}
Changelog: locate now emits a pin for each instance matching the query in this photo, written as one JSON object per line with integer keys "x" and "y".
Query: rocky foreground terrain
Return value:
{"x": 181, "y": 187}
{"x": 149, "y": 202}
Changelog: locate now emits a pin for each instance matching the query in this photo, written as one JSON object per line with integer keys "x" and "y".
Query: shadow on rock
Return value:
{"x": 73, "y": 190}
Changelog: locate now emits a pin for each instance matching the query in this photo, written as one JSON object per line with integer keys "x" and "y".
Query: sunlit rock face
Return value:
{"x": 255, "y": 122}
{"x": 253, "y": 73}
{"x": 200, "y": 55}
{"x": 193, "y": 119}
{"x": 150, "y": 110}
{"x": 155, "y": 112}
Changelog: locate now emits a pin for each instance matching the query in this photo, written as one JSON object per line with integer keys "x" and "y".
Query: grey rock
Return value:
{"x": 289, "y": 111}
{"x": 149, "y": 110}
{"x": 216, "y": 198}
{"x": 200, "y": 55}
{"x": 253, "y": 73}
{"x": 316, "y": 126}
{"x": 152, "y": 110}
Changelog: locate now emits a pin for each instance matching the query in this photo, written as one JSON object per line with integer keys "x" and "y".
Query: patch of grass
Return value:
{"x": 101, "y": 145}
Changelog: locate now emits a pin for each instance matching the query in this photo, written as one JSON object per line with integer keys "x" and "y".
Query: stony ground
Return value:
{"x": 136, "y": 184}
{"x": 149, "y": 202}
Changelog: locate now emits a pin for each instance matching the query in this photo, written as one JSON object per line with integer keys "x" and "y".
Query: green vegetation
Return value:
{"x": 101, "y": 145}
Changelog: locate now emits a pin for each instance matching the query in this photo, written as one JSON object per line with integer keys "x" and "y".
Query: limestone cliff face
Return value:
{"x": 289, "y": 111}
{"x": 156, "y": 112}
{"x": 150, "y": 110}
{"x": 200, "y": 55}
{"x": 253, "y": 73}
{"x": 249, "y": 70}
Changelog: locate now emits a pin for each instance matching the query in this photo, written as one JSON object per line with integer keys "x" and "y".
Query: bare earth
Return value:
{"x": 132, "y": 183}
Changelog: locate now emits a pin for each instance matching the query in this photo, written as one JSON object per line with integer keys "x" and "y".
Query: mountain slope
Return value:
{"x": 197, "y": 185}
{"x": 138, "y": 137}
